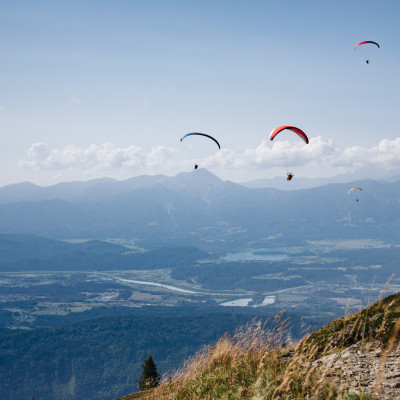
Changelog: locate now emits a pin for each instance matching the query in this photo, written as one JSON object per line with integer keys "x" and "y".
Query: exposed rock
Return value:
{"x": 365, "y": 367}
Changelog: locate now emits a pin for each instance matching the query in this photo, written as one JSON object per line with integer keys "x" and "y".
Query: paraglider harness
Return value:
{"x": 290, "y": 175}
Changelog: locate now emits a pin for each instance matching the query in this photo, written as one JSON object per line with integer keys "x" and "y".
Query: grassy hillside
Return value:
{"x": 379, "y": 322}
{"x": 259, "y": 362}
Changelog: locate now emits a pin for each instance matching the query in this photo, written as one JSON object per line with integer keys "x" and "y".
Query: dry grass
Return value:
{"x": 229, "y": 369}
{"x": 258, "y": 362}
{"x": 261, "y": 363}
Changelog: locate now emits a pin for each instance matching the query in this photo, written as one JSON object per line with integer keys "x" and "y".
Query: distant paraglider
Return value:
{"x": 366, "y": 42}
{"x": 201, "y": 134}
{"x": 354, "y": 188}
{"x": 204, "y": 135}
{"x": 298, "y": 131}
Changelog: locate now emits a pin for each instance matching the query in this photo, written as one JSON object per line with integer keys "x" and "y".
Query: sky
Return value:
{"x": 92, "y": 89}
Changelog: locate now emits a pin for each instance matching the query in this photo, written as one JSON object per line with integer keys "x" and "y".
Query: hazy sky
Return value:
{"x": 107, "y": 88}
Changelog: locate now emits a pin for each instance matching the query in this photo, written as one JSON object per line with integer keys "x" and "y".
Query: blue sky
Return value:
{"x": 107, "y": 88}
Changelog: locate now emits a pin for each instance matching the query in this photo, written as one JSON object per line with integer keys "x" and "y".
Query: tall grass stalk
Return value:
{"x": 258, "y": 362}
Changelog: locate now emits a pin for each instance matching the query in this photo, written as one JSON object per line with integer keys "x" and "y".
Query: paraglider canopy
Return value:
{"x": 202, "y": 134}
{"x": 366, "y": 51}
{"x": 298, "y": 131}
{"x": 355, "y": 188}
{"x": 365, "y": 42}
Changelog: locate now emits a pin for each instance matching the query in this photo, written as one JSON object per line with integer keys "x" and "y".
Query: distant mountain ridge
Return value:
{"x": 86, "y": 190}
{"x": 297, "y": 183}
{"x": 198, "y": 208}
{"x": 95, "y": 189}
{"x": 280, "y": 182}
{"x": 89, "y": 190}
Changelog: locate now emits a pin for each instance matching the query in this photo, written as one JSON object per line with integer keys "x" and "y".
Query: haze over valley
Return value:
{"x": 195, "y": 239}
{"x": 192, "y": 244}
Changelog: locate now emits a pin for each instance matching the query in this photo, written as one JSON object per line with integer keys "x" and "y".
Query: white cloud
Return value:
{"x": 319, "y": 153}
{"x": 284, "y": 152}
{"x": 386, "y": 155}
{"x": 269, "y": 155}
{"x": 96, "y": 157}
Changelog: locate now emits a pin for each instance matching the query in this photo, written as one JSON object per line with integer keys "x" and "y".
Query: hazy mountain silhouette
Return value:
{"x": 196, "y": 208}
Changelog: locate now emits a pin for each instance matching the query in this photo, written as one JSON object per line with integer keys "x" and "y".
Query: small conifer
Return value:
{"x": 149, "y": 377}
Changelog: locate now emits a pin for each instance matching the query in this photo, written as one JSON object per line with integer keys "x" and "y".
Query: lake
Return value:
{"x": 256, "y": 255}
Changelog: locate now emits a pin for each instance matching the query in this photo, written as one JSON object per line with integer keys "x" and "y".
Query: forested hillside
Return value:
{"x": 101, "y": 359}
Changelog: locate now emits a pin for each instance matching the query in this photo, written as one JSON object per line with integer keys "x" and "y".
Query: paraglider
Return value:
{"x": 298, "y": 131}
{"x": 354, "y": 188}
{"x": 366, "y": 42}
{"x": 204, "y": 135}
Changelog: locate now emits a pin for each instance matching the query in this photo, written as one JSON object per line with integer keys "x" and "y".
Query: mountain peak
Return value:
{"x": 198, "y": 181}
{"x": 200, "y": 175}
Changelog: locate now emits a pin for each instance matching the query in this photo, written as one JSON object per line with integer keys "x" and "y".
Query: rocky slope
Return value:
{"x": 355, "y": 357}
{"x": 367, "y": 368}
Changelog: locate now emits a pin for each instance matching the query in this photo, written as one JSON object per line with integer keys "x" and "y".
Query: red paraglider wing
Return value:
{"x": 366, "y": 41}
{"x": 292, "y": 128}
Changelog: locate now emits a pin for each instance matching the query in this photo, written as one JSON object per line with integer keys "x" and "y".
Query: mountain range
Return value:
{"x": 198, "y": 208}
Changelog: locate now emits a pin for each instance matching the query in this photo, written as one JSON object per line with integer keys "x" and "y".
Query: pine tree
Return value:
{"x": 149, "y": 378}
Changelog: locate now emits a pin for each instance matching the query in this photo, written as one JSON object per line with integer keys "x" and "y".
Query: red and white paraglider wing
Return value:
{"x": 298, "y": 131}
